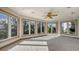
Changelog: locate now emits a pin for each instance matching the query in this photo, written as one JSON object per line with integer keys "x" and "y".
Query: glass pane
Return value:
{"x": 26, "y": 27}
{"x": 68, "y": 27}
{"x": 13, "y": 26}
{"x": 43, "y": 26}
{"x": 3, "y": 26}
{"x": 32, "y": 24}
{"x": 49, "y": 27}
{"x": 39, "y": 27}
{"x": 64, "y": 27}
{"x": 71, "y": 27}
{"x": 53, "y": 25}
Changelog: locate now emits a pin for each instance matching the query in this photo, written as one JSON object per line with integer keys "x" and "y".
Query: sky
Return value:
{"x": 3, "y": 16}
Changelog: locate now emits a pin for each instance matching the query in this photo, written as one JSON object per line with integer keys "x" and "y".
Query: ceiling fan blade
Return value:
{"x": 54, "y": 15}
{"x": 50, "y": 15}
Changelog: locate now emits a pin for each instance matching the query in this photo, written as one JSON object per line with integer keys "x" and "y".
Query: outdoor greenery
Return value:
{"x": 72, "y": 28}
{"x": 43, "y": 26}
{"x": 5, "y": 22}
{"x": 3, "y": 26}
{"x": 68, "y": 27}
{"x": 13, "y": 22}
{"x": 32, "y": 27}
{"x": 49, "y": 30}
{"x": 4, "y": 31}
{"x": 26, "y": 27}
{"x": 51, "y": 27}
{"x": 39, "y": 27}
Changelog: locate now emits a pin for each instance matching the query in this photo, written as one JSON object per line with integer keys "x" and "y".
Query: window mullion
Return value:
{"x": 51, "y": 27}
{"x": 41, "y": 26}
{"x": 29, "y": 28}
{"x": 36, "y": 27}
{"x": 67, "y": 28}
{"x": 75, "y": 27}
{"x": 9, "y": 27}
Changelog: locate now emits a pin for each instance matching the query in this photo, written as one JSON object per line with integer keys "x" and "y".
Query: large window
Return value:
{"x": 32, "y": 27}
{"x": 13, "y": 26}
{"x": 69, "y": 27}
{"x": 52, "y": 27}
{"x": 3, "y": 26}
{"x": 41, "y": 27}
{"x": 26, "y": 27}
{"x": 8, "y": 26}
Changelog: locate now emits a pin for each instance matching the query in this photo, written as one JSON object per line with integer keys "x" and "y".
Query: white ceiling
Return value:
{"x": 64, "y": 13}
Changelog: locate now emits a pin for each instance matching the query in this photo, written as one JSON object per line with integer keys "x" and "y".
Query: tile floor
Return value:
{"x": 45, "y": 43}
{"x": 32, "y": 44}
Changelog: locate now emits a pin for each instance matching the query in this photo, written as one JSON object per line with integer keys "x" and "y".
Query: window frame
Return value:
{"x": 9, "y": 32}
{"x": 75, "y": 21}
{"x": 51, "y": 22}
{"x": 39, "y": 22}
{"x": 43, "y": 23}
{"x": 34, "y": 27}
{"x": 16, "y": 25}
{"x": 27, "y": 20}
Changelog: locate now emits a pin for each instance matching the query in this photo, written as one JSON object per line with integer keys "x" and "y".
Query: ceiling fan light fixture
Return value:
{"x": 51, "y": 14}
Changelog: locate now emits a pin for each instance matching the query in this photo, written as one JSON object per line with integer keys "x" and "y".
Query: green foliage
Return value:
{"x": 49, "y": 30}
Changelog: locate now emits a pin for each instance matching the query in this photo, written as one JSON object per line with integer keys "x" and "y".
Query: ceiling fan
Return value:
{"x": 51, "y": 14}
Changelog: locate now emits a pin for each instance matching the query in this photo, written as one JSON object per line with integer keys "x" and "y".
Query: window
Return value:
{"x": 32, "y": 27}
{"x": 49, "y": 27}
{"x": 39, "y": 27}
{"x": 8, "y": 26}
{"x": 26, "y": 27}
{"x": 13, "y": 26}
{"x": 64, "y": 27}
{"x": 43, "y": 27}
{"x": 3, "y": 26}
{"x": 69, "y": 27}
{"x": 52, "y": 27}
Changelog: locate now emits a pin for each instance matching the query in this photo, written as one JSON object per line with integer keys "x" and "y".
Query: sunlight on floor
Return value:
{"x": 33, "y": 44}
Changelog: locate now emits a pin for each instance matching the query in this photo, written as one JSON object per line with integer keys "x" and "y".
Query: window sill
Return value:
{"x": 31, "y": 35}
{"x": 8, "y": 38}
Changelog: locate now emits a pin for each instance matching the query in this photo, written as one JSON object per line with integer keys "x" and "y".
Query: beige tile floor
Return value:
{"x": 32, "y": 44}
{"x": 29, "y": 48}
{"x": 45, "y": 43}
